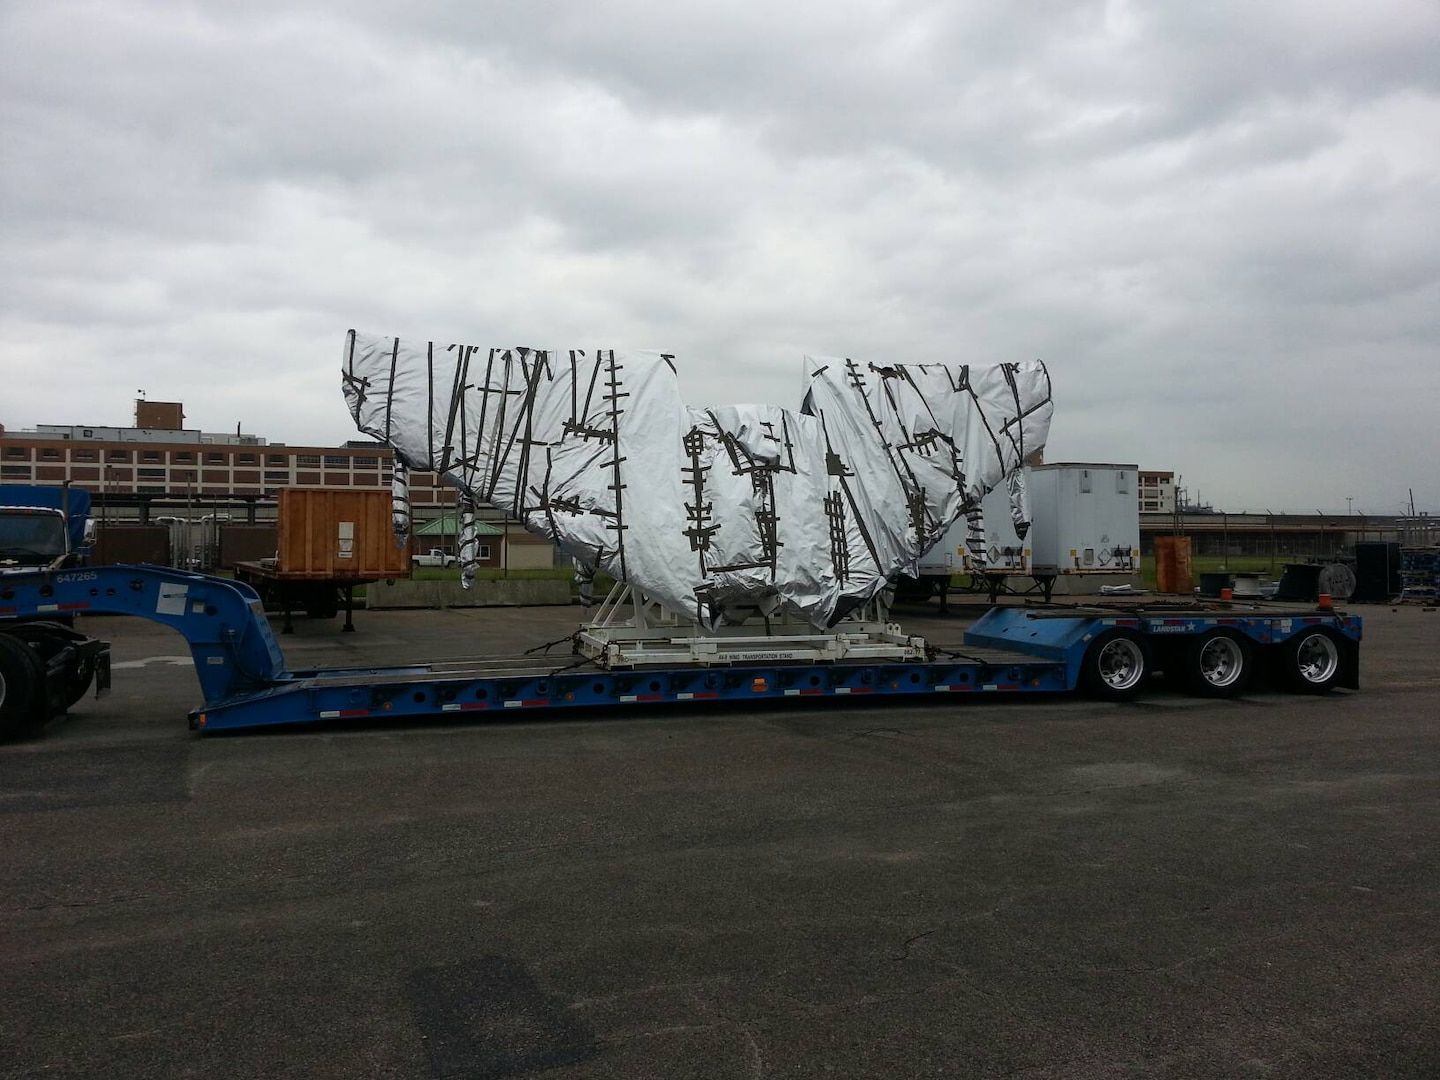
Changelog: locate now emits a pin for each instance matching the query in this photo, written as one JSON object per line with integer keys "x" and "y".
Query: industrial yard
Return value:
{"x": 1041, "y": 887}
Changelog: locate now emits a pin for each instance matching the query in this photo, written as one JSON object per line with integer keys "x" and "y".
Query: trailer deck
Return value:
{"x": 1107, "y": 651}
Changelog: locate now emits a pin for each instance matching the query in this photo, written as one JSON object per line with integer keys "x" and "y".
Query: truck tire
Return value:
{"x": 22, "y": 689}
{"x": 1115, "y": 666}
{"x": 1216, "y": 664}
{"x": 1311, "y": 662}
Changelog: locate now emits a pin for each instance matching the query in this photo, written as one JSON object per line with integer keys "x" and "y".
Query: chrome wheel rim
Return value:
{"x": 1121, "y": 664}
{"x": 1221, "y": 662}
{"x": 1317, "y": 658}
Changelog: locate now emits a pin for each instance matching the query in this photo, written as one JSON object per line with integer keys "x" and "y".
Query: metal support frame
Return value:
{"x": 632, "y": 629}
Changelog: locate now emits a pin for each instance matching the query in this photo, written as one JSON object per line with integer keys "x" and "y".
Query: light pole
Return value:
{"x": 1348, "y": 500}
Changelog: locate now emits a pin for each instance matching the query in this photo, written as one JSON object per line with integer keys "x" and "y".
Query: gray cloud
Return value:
{"x": 1214, "y": 222}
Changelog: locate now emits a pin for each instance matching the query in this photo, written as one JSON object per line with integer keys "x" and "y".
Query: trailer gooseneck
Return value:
{"x": 1108, "y": 653}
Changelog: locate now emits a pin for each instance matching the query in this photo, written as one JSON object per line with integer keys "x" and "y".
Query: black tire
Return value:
{"x": 1115, "y": 666}
{"x": 22, "y": 689}
{"x": 1311, "y": 662}
{"x": 1216, "y": 664}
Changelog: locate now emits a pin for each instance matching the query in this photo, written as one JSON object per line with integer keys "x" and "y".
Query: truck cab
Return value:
{"x": 44, "y": 528}
{"x": 46, "y": 664}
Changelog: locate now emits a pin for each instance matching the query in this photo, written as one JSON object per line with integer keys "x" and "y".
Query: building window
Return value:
{"x": 367, "y": 463}
{"x": 151, "y": 474}
{"x": 337, "y": 461}
{"x": 282, "y": 475}
{"x": 17, "y": 452}
{"x": 50, "y": 454}
{"x": 150, "y": 489}
{"x": 307, "y": 459}
{"x": 118, "y": 455}
{"x": 182, "y": 456}
{"x": 484, "y": 555}
{"x": 15, "y": 470}
{"x": 247, "y": 459}
{"x": 215, "y": 459}
{"x": 276, "y": 459}
{"x": 150, "y": 455}
{"x": 82, "y": 455}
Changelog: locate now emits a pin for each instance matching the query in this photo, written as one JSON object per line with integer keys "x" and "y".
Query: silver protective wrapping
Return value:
{"x": 400, "y": 502}
{"x": 469, "y": 539}
{"x": 717, "y": 512}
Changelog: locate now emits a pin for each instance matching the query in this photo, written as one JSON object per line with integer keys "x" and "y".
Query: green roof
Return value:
{"x": 448, "y": 525}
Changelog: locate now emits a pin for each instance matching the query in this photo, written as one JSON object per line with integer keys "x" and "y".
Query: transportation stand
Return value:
{"x": 632, "y": 629}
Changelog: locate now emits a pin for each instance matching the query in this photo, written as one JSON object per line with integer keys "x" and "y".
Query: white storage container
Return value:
{"x": 1087, "y": 519}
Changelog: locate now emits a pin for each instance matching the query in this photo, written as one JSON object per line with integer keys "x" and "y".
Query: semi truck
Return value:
{"x": 635, "y": 653}
{"x": 44, "y": 526}
{"x": 46, "y": 665}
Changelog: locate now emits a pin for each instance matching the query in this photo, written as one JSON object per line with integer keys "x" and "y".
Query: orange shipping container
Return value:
{"x": 329, "y": 533}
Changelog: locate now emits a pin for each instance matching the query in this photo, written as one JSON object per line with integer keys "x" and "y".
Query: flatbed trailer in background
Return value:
{"x": 330, "y": 541}
{"x": 1110, "y": 653}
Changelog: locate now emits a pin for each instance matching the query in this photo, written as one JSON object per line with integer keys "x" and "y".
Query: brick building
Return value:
{"x": 169, "y": 469}
{"x": 177, "y": 462}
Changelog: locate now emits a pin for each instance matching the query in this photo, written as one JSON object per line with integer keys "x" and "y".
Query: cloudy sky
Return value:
{"x": 1218, "y": 224}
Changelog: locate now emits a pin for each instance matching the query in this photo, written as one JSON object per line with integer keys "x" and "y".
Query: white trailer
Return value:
{"x": 1087, "y": 521}
{"x": 1086, "y": 526}
{"x": 1005, "y": 554}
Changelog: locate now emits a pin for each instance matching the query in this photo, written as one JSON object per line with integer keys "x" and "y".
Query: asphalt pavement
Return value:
{"x": 1027, "y": 888}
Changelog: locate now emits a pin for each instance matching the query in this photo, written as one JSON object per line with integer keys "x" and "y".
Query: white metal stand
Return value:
{"x": 633, "y": 630}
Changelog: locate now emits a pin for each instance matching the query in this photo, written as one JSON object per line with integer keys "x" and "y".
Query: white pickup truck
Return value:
{"x": 434, "y": 557}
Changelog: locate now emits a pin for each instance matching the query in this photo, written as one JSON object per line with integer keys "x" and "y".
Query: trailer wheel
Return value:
{"x": 1115, "y": 666}
{"x": 22, "y": 688}
{"x": 1216, "y": 664}
{"x": 1310, "y": 662}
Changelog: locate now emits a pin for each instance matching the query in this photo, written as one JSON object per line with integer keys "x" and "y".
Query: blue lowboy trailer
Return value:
{"x": 1108, "y": 652}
